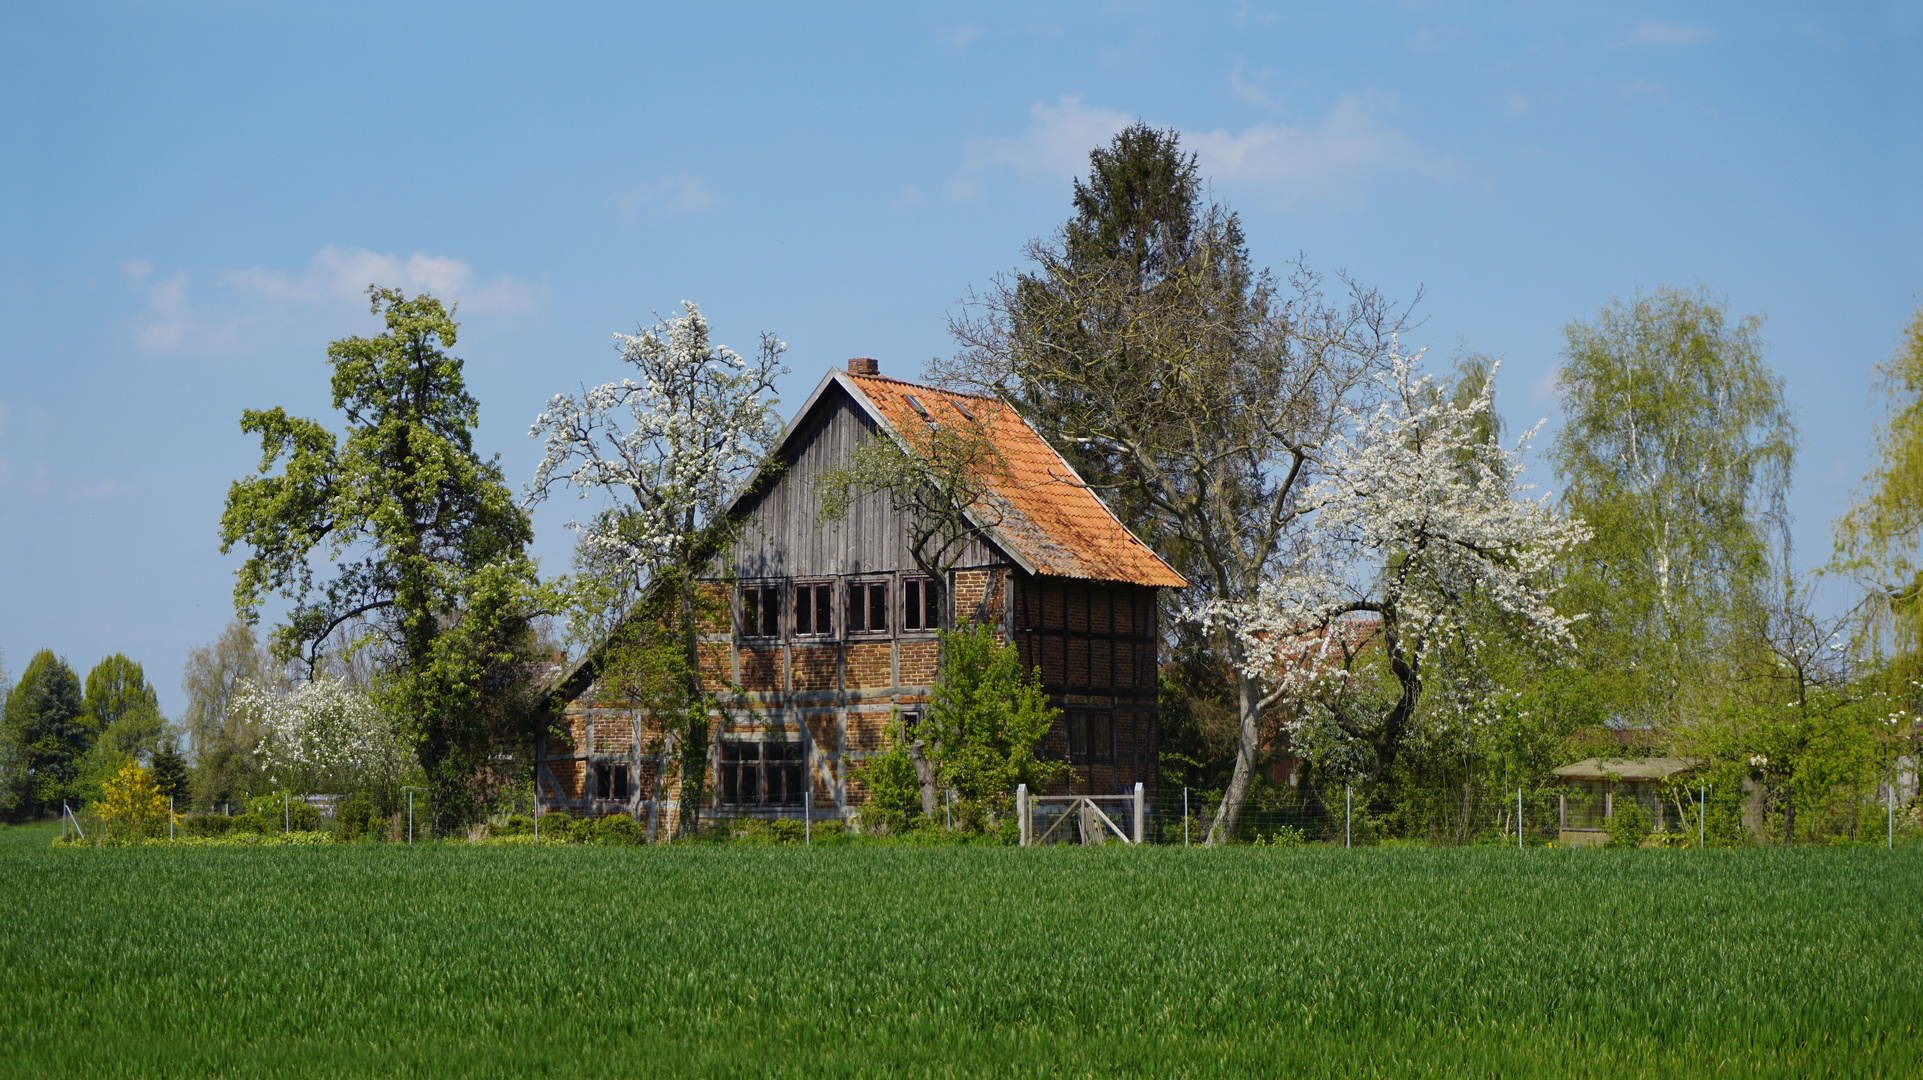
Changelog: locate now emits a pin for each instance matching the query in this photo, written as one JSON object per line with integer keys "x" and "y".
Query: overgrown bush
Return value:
{"x": 618, "y": 829}
{"x": 579, "y": 831}
{"x": 207, "y": 825}
{"x": 354, "y": 818}
{"x": 515, "y": 825}
{"x": 1629, "y": 826}
{"x": 250, "y": 823}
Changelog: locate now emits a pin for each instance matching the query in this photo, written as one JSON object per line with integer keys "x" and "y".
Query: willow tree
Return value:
{"x": 1676, "y": 449}
{"x": 1195, "y": 392}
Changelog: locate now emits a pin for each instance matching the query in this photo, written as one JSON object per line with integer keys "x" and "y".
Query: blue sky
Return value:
{"x": 192, "y": 197}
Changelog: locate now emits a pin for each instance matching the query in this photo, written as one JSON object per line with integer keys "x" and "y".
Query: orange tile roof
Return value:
{"x": 1046, "y": 517}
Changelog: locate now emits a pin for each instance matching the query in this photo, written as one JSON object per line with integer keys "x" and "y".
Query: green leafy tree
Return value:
{"x": 124, "y": 709}
{"x": 426, "y": 540}
{"x": 222, "y": 734}
{"x": 170, "y": 770}
{"x": 985, "y": 718}
{"x": 1677, "y": 451}
{"x": 47, "y": 723}
{"x": 1877, "y": 539}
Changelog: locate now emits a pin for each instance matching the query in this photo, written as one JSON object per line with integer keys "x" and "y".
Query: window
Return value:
{"x": 814, "y": 607}
{"x": 920, "y": 604}
{"x": 761, "y": 611}
{"x": 1091, "y": 736}
{"x": 761, "y": 773}
{"x": 868, "y": 607}
{"x": 610, "y": 781}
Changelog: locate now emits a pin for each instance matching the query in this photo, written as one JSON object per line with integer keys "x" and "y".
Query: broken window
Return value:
{"x": 760, "y": 773}
{"x": 1091, "y": 736}
{"x": 814, "y": 605}
{"x": 610, "y": 781}
{"x": 920, "y": 605}
{"x": 868, "y": 607}
{"x": 761, "y": 611}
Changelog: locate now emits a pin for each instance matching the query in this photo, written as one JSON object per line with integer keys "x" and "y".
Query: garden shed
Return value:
{"x": 1594, "y": 788}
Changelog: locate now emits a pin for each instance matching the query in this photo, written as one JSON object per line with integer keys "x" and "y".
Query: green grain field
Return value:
{"x": 460, "y": 960}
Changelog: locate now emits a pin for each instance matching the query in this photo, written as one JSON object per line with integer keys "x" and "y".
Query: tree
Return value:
{"x": 436, "y": 562}
{"x": 986, "y": 716}
{"x": 124, "y": 709}
{"x": 669, "y": 448}
{"x": 325, "y": 736}
{"x": 47, "y": 724}
{"x": 1195, "y": 392}
{"x": 1417, "y": 520}
{"x": 222, "y": 734}
{"x": 1677, "y": 450}
{"x": 170, "y": 770}
{"x": 130, "y": 803}
{"x": 1877, "y": 538}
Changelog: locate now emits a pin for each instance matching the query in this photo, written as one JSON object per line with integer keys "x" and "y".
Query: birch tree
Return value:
{"x": 1878, "y": 538}
{"x": 1677, "y": 449}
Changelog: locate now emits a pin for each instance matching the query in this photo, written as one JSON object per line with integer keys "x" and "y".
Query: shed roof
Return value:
{"x": 1661, "y": 768}
{"x": 1045, "y": 516}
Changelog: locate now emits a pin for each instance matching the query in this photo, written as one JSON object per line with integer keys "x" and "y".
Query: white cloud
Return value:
{"x": 681, "y": 193}
{"x": 1254, "y": 91}
{"x": 1277, "y": 159}
{"x": 251, "y": 304}
{"x": 1056, "y": 144}
{"x": 1669, "y": 35}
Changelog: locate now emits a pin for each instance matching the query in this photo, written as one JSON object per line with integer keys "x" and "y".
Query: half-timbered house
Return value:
{"x": 831, "y": 633}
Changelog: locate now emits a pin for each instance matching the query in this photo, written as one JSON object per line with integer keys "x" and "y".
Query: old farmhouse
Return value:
{"x": 832, "y": 628}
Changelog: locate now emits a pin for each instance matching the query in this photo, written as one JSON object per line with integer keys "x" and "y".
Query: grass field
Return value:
{"x": 457, "y": 960}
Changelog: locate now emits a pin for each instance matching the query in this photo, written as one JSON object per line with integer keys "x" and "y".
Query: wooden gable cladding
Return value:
{"x": 782, "y": 533}
{"x": 1086, "y": 636}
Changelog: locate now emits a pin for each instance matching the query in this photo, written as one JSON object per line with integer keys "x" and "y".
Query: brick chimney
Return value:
{"x": 864, "y": 365}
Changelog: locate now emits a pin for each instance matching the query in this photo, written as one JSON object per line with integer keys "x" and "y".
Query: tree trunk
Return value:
{"x": 924, "y": 777}
{"x": 1248, "y": 697}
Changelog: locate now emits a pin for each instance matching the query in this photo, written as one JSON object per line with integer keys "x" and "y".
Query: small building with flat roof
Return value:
{"x": 1594, "y": 786}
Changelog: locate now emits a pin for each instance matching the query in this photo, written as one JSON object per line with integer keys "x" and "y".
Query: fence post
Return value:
{"x": 1021, "y": 813}
{"x": 170, "y": 818}
{"x": 286, "y": 813}
{"x": 1185, "y": 817}
{"x": 1518, "y": 819}
{"x": 808, "y": 810}
{"x": 410, "y": 817}
{"x": 1348, "y": 815}
{"x": 1702, "y": 813}
{"x": 1138, "y": 812}
{"x": 1889, "y": 844}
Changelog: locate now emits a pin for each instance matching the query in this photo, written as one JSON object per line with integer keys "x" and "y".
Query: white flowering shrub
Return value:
{"x": 324, "y": 735}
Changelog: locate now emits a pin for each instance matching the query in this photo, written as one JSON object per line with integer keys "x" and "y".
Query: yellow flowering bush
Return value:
{"x": 130, "y": 803}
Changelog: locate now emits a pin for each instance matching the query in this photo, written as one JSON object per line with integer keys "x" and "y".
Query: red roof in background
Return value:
{"x": 1048, "y": 518}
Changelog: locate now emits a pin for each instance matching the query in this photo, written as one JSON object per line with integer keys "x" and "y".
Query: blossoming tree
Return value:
{"x": 1420, "y": 520}
{"x": 666, "y": 448}
{"x": 324, "y": 735}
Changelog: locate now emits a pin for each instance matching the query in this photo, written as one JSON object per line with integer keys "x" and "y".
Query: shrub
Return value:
{"x": 579, "y": 831}
{"x": 515, "y": 825}
{"x": 1629, "y": 826}
{"x": 788, "y": 831}
{"x": 618, "y": 829}
{"x": 250, "y": 823}
{"x": 207, "y": 824}
{"x": 354, "y": 818}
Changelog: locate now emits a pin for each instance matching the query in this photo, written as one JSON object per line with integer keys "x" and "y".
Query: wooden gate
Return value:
{"x": 1093, "y": 824}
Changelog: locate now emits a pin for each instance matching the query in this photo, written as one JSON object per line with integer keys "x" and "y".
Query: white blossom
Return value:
{"x": 324, "y": 733}
{"x": 696, "y": 427}
{"x": 1413, "y": 515}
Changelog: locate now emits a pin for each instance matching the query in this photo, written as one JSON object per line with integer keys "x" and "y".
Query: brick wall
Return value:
{"x": 918, "y": 662}
{"x": 870, "y": 665}
{"x": 814, "y": 667}
{"x": 760, "y": 669}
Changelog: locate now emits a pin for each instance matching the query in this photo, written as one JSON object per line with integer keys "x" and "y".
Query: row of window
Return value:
{"x": 809, "y": 608}
{"x": 772, "y": 773}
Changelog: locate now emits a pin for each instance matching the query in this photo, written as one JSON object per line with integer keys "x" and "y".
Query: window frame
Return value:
{"x": 812, "y": 589}
{"x": 1079, "y": 719}
{"x": 613, "y": 781}
{"x": 930, "y": 621}
{"x": 868, "y": 589}
{"x": 792, "y": 762}
{"x": 757, "y": 594}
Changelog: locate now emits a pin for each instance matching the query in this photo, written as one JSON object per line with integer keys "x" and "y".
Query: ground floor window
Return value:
{"x": 610, "y": 781}
{"x": 761, "y": 773}
{"x": 1091, "y": 736}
